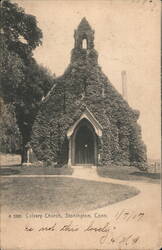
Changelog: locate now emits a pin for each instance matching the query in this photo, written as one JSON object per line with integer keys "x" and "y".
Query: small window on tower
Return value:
{"x": 84, "y": 43}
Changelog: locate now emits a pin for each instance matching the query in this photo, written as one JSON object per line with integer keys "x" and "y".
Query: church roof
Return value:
{"x": 84, "y": 25}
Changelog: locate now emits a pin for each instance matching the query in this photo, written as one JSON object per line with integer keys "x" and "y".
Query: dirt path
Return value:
{"x": 148, "y": 202}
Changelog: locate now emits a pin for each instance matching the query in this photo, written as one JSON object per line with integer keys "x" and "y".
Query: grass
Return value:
{"x": 33, "y": 170}
{"x": 11, "y": 166}
{"x": 60, "y": 194}
{"x": 128, "y": 173}
{"x": 115, "y": 172}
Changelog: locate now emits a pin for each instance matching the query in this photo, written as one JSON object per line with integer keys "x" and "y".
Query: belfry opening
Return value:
{"x": 84, "y": 43}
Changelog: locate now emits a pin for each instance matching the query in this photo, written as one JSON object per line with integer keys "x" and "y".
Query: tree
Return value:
{"x": 9, "y": 132}
{"x": 23, "y": 82}
{"x": 37, "y": 81}
{"x": 19, "y": 29}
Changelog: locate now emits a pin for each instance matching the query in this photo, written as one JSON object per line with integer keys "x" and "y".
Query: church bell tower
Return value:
{"x": 84, "y": 35}
{"x": 84, "y": 44}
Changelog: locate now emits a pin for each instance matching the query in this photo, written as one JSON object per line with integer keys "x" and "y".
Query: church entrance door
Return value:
{"x": 84, "y": 145}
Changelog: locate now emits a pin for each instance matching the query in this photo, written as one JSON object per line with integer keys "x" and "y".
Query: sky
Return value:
{"x": 127, "y": 37}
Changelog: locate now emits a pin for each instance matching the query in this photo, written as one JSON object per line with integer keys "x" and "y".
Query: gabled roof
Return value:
{"x": 87, "y": 114}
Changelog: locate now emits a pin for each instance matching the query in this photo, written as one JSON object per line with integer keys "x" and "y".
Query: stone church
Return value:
{"x": 84, "y": 121}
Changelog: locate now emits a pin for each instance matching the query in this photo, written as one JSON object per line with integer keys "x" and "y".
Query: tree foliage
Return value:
{"x": 19, "y": 29}
{"x": 10, "y": 140}
{"x": 23, "y": 82}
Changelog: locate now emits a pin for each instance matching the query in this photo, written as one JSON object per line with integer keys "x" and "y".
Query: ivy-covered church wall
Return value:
{"x": 84, "y": 85}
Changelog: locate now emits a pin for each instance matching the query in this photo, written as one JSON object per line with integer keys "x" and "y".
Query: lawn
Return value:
{"x": 128, "y": 173}
{"x": 33, "y": 170}
{"x": 60, "y": 194}
{"x": 115, "y": 172}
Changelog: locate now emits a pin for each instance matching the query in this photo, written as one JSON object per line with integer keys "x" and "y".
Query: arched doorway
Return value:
{"x": 83, "y": 138}
{"x": 85, "y": 144}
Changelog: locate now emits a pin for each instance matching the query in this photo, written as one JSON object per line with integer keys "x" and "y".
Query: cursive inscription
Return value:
{"x": 70, "y": 227}
{"x": 107, "y": 232}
